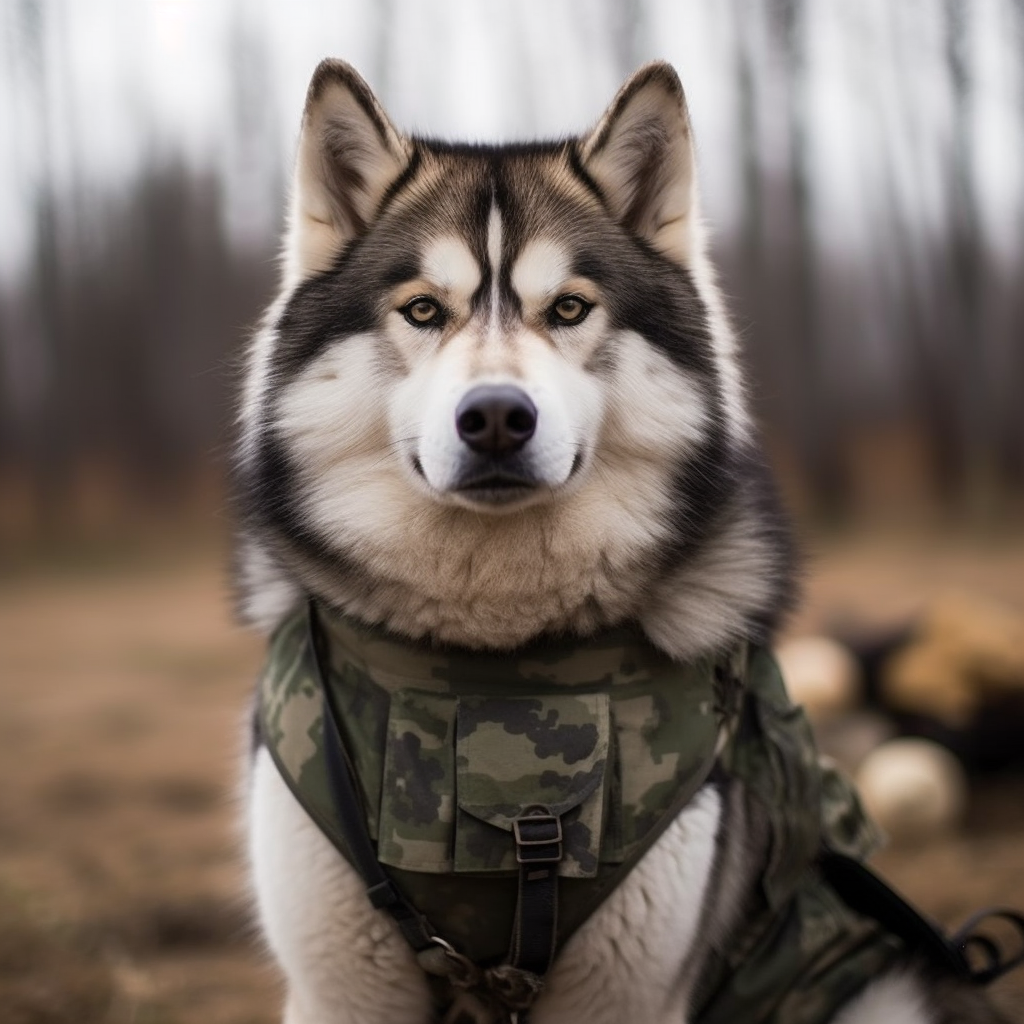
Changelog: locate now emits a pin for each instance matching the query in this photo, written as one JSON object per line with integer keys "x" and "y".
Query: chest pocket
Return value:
{"x": 459, "y": 771}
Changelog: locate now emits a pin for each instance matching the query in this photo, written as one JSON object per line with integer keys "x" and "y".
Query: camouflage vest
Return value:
{"x": 450, "y": 746}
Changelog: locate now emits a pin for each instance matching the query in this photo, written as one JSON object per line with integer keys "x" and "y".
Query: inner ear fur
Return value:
{"x": 640, "y": 155}
{"x": 349, "y": 154}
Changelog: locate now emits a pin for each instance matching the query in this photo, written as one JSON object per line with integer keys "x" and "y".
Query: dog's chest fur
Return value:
{"x": 471, "y": 581}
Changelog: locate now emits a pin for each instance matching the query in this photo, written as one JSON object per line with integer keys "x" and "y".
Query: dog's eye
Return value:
{"x": 569, "y": 309}
{"x": 422, "y": 312}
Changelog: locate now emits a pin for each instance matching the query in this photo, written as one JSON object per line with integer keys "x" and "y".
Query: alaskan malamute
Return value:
{"x": 498, "y": 400}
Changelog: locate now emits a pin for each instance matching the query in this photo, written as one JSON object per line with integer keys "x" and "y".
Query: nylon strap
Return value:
{"x": 970, "y": 941}
{"x": 539, "y": 849}
{"x": 381, "y": 890}
{"x": 538, "y": 836}
{"x": 863, "y": 891}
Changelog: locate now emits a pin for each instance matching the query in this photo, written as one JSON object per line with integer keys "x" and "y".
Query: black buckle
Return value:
{"x": 538, "y": 838}
{"x": 975, "y": 946}
{"x": 383, "y": 894}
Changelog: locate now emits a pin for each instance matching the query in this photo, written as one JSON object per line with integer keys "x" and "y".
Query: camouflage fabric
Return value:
{"x": 614, "y": 737}
{"x": 449, "y": 747}
{"x": 804, "y": 952}
{"x": 799, "y": 962}
{"x": 501, "y": 756}
{"x": 557, "y": 710}
{"x": 514, "y": 753}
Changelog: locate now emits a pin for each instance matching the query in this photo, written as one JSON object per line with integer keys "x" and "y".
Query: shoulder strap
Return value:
{"x": 968, "y": 939}
{"x": 512, "y": 986}
{"x": 864, "y": 892}
{"x": 381, "y": 890}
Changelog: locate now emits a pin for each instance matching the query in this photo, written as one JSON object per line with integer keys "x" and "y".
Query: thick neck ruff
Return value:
{"x": 451, "y": 748}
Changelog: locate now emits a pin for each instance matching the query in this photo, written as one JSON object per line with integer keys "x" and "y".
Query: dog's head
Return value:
{"x": 490, "y": 369}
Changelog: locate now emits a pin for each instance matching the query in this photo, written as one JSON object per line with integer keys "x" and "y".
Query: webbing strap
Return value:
{"x": 381, "y": 890}
{"x": 974, "y": 944}
{"x": 863, "y": 891}
{"x": 538, "y": 836}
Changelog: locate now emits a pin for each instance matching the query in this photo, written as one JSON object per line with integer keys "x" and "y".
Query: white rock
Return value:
{"x": 913, "y": 788}
{"x": 820, "y": 674}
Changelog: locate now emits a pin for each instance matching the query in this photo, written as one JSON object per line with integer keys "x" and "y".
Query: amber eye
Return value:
{"x": 569, "y": 309}
{"x": 422, "y": 312}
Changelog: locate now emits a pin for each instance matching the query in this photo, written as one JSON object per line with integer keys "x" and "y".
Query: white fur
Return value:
{"x": 450, "y": 265}
{"x": 257, "y": 377}
{"x": 539, "y": 273}
{"x": 495, "y": 231}
{"x": 723, "y": 338}
{"x": 356, "y": 429}
{"x": 267, "y": 593}
{"x": 569, "y": 404}
{"x": 346, "y": 962}
{"x": 896, "y": 999}
{"x": 494, "y": 241}
{"x": 629, "y": 961}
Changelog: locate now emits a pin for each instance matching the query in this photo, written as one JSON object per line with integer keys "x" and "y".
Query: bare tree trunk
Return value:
{"x": 1011, "y": 434}
{"x": 917, "y": 305}
{"x": 817, "y": 434}
{"x": 752, "y": 228}
{"x": 969, "y": 346}
{"x": 52, "y": 457}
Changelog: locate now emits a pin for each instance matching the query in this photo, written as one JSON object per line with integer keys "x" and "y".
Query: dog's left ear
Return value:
{"x": 640, "y": 155}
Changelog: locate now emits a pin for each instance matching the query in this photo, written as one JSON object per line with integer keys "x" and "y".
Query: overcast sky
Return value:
{"x": 107, "y": 84}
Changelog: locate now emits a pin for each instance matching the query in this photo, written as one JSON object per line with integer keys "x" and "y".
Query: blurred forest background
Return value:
{"x": 862, "y": 169}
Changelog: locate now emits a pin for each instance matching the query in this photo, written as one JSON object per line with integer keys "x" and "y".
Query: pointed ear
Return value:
{"x": 349, "y": 153}
{"x": 640, "y": 155}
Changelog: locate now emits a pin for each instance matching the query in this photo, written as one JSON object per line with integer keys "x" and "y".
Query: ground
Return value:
{"x": 123, "y": 745}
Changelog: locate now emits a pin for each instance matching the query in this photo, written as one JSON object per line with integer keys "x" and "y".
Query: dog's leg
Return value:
{"x": 904, "y": 998}
{"x": 344, "y": 961}
{"x": 896, "y": 999}
{"x": 627, "y": 961}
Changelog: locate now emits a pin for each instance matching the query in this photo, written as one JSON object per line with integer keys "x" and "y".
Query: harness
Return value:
{"x": 490, "y": 803}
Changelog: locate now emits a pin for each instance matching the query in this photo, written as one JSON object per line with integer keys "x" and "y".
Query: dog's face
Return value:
{"x": 481, "y": 346}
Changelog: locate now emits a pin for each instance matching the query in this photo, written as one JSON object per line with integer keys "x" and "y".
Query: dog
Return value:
{"x": 498, "y": 398}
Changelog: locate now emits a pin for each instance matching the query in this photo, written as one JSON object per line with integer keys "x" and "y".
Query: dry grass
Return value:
{"x": 124, "y": 728}
{"x": 122, "y": 741}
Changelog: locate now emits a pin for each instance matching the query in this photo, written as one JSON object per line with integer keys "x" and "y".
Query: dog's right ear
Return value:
{"x": 349, "y": 153}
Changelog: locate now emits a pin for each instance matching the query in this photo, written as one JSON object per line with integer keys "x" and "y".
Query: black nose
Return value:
{"x": 496, "y": 419}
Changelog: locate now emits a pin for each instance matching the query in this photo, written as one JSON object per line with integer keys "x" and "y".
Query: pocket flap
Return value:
{"x": 517, "y": 753}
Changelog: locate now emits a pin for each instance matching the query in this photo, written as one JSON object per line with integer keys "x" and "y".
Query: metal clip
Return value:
{"x": 443, "y": 960}
{"x": 549, "y": 827}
